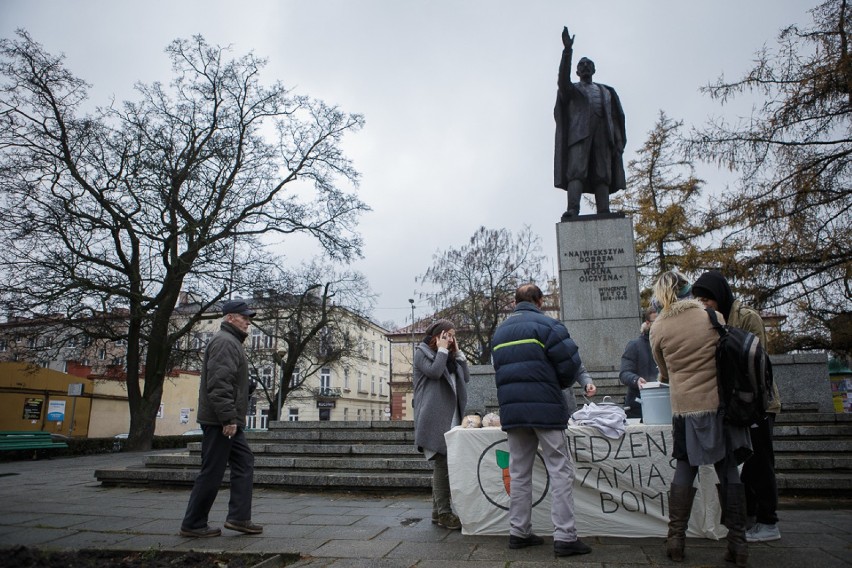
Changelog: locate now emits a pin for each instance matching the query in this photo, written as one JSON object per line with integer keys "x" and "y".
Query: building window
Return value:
{"x": 372, "y": 350}
{"x": 256, "y": 338}
{"x": 3, "y": 346}
{"x": 296, "y": 379}
{"x": 253, "y": 375}
{"x": 31, "y": 342}
{"x": 360, "y": 383}
{"x": 381, "y": 353}
{"x": 266, "y": 376}
{"x": 267, "y": 341}
{"x": 346, "y": 378}
{"x": 345, "y": 414}
{"x": 118, "y": 361}
{"x": 200, "y": 340}
{"x": 359, "y": 414}
{"x": 381, "y": 387}
{"x": 325, "y": 380}
{"x": 326, "y": 347}
{"x": 293, "y": 415}
{"x": 101, "y": 354}
{"x": 372, "y": 384}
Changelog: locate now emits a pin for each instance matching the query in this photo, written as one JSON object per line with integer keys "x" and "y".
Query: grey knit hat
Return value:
{"x": 436, "y": 327}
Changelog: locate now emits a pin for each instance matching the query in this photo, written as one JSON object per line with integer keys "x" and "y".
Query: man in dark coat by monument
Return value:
{"x": 590, "y": 135}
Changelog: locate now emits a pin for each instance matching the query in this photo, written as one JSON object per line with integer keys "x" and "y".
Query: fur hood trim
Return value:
{"x": 695, "y": 413}
{"x": 679, "y": 307}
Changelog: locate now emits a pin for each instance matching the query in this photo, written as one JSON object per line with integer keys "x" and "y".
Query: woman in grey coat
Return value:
{"x": 440, "y": 396}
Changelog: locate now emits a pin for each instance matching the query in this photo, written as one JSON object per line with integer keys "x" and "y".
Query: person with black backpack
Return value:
{"x": 683, "y": 344}
{"x": 758, "y": 472}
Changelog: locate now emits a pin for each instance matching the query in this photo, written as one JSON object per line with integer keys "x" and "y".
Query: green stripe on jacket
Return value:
{"x": 519, "y": 342}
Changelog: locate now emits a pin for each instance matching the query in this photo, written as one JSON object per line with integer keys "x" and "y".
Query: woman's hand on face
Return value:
{"x": 443, "y": 340}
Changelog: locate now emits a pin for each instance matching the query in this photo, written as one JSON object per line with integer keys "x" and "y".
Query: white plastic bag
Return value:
{"x": 610, "y": 419}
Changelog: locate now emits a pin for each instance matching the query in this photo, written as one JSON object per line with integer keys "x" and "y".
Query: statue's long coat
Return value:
{"x": 572, "y": 127}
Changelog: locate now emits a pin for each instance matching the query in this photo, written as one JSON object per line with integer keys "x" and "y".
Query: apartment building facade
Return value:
{"x": 355, "y": 386}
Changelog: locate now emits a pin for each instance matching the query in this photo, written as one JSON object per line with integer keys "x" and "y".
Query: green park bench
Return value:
{"x": 34, "y": 440}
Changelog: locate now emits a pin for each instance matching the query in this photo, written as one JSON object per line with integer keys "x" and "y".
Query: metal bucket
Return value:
{"x": 656, "y": 405}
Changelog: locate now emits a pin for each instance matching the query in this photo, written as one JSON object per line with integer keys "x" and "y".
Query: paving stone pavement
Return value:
{"x": 58, "y": 504}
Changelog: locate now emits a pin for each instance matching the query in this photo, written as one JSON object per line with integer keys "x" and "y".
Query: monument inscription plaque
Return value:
{"x": 599, "y": 286}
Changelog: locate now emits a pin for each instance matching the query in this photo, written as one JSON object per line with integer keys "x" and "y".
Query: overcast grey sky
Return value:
{"x": 457, "y": 94}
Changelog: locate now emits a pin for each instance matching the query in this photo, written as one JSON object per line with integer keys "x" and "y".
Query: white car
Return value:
{"x": 196, "y": 432}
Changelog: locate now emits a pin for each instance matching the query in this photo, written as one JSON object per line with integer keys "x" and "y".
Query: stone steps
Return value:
{"x": 264, "y": 461}
{"x": 812, "y": 463}
{"x": 812, "y": 453}
{"x": 813, "y": 456}
{"x": 809, "y": 483}
{"x": 306, "y": 455}
{"x": 295, "y": 480}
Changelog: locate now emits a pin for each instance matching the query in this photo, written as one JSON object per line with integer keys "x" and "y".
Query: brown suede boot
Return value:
{"x": 735, "y": 520}
{"x": 680, "y": 507}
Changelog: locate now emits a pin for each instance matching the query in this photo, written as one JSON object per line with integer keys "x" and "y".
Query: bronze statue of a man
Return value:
{"x": 590, "y": 135}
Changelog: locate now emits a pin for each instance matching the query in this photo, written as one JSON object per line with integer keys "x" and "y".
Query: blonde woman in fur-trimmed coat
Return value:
{"x": 683, "y": 343}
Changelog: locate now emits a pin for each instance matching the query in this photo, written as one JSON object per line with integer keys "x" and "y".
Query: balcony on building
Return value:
{"x": 323, "y": 393}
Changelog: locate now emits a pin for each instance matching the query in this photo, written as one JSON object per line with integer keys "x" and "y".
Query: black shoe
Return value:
{"x": 521, "y": 542}
{"x": 247, "y": 527}
{"x": 203, "y": 532}
{"x": 562, "y": 548}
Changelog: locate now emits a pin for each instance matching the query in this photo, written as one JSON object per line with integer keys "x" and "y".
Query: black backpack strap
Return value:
{"x": 715, "y": 321}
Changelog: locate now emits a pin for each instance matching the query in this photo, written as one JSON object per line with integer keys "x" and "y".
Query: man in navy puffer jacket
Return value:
{"x": 534, "y": 359}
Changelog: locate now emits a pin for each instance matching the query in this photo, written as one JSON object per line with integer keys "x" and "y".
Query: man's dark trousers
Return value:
{"x": 758, "y": 474}
{"x": 217, "y": 451}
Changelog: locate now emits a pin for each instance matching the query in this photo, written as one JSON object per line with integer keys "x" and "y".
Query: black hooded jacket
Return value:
{"x": 714, "y": 286}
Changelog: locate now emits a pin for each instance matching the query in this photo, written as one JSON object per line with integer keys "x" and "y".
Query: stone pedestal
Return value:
{"x": 599, "y": 286}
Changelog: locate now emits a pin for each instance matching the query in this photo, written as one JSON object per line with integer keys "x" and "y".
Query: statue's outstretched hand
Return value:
{"x": 567, "y": 38}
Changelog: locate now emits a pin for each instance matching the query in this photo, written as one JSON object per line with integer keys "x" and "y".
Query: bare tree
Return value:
{"x": 123, "y": 207}
{"x": 790, "y": 213}
{"x": 475, "y": 285}
{"x": 306, "y": 315}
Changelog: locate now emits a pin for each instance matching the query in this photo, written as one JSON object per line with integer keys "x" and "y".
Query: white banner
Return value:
{"x": 620, "y": 486}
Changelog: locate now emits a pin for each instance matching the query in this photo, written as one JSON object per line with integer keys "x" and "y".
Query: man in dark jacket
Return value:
{"x": 638, "y": 366}
{"x": 534, "y": 359}
{"x": 223, "y": 401}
